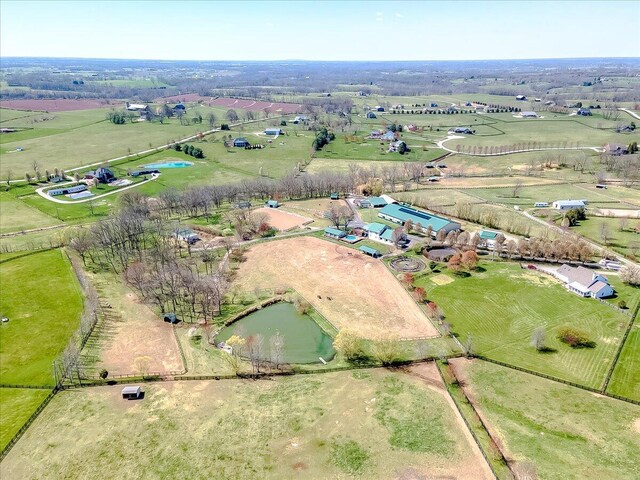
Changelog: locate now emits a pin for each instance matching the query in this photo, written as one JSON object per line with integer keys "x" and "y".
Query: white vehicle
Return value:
{"x": 541, "y": 204}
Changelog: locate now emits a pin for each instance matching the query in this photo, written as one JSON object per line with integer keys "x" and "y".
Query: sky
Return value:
{"x": 320, "y": 30}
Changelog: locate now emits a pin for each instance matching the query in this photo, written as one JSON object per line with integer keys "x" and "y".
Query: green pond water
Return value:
{"x": 304, "y": 340}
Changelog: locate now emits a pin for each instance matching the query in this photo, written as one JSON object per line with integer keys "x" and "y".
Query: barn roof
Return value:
{"x": 403, "y": 213}
{"x": 369, "y": 250}
{"x": 375, "y": 227}
{"x": 335, "y": 231}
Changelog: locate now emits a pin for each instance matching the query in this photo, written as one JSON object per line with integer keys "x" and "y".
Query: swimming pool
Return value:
{"x": 168, "y": 165}
{"x": 351, "y": 239}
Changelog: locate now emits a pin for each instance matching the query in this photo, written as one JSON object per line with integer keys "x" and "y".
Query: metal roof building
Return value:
{"x": 400, "y": 214}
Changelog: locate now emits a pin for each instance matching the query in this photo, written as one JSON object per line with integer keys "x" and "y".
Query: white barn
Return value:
{"x": 568, "y": 204}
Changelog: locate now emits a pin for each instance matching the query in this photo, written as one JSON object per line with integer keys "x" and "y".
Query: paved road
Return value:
{"x": 633, "y": 114}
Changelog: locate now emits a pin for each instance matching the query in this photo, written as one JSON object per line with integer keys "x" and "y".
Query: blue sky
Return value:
{"x": 344, "y": 30}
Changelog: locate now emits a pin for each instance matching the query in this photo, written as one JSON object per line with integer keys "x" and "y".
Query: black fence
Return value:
{"x": 556, "y": 379}
{"x": 607, "y": 379}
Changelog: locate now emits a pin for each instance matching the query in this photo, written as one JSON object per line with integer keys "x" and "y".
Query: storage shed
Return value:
{"x": 132, "y": 392}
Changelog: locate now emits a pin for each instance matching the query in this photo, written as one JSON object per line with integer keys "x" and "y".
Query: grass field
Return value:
{"x": 17, "y": 405}
{"x": 625, "y": 380}
{"x": 563, "y": 431}
{"x": 369, "y": 424}
{"x": 17, "y": 216}
{"x": 501, "y": 307}
{"x": 42, "y": 299}
{"x": 339, "y": 149}
{"x": 625, "y": 242}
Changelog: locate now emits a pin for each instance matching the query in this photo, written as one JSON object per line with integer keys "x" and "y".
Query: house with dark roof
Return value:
{"x": 584, "y": 282}
{"x": 400, "y": 214}
{"x": 371, "y": 115}
{"x": 241, "y": 142}
{"x": 585, "y": 112}
{"x": 529, "y": 115}
{"x": 179, "y": 109}
{"x": 273, "y": 131}
{"x": 101, "y": 175}
{"x": 615, "y": 149}
{"x": 186, "y": 235}
{"x": 465, "y": 130}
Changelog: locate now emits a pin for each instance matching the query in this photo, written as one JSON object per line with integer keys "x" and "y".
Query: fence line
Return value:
{"x": 466, "y": 422}
{"x": 556, "y": 379}
{"x": 607, "y": 379}
{"x": 33, "y": 387}
{"x": 27, "y": 424}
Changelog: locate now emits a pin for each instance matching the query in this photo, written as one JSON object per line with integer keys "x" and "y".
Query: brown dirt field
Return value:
{"x": 365, "y": 297}
{"x": 283, "y": 220}
{"x": 55, "y": 105}
{"x": 133, "y": 337}
{"x": 617, "y": 212}
{"x": 475, "y": 467}
{"x": 315, "y": 208}
{"x": 482, "y": 182}
{"x": 235, "y": 103}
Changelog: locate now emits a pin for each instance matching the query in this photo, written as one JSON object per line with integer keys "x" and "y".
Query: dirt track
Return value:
{"x": 283, "y": 220}
{"x": 350, "y": 289}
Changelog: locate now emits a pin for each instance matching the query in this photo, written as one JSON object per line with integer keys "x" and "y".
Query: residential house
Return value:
{"x": 400, "y": 214}
{"x": 584, "y": 282}
{"x": 615, "y": 149}
{"x": 379, "y": 232}
{"x": 465, "y": 130}
{"x": 241, "y": 142}
{"x": 101, "y": 175}
{"x": 299, "y": 119}
{"x": 371, "y": 115}
{"x": 529, "y": 115}
{"x": 388, "y": 136}
{"x": 186, "y": 235}
{"x": 585, "y": 112}
{"x": 568, "y": 204}
{"x": 410, "y": 128}
{"x": 378, "y": 108}
{"x": 395, "y": 146}
{"x": 179, "y": 109}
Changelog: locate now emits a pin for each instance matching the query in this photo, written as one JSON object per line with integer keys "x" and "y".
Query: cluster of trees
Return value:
{"x": 119, "y": 118}
{"x": 253, "y": 348}
{"x": 189, "y": 150}
{"x": 386, "y": 349}
{"x": 630, "y": 275}
{"x": 573, "y": 216}
{"x": 323, "y": 137}
{"x": 575, "y": 338}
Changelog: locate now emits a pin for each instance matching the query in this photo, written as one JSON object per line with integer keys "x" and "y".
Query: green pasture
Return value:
{"x": 17, "y": 405}
{"x": 501, "y": 307}
{"x": 299, "y": 427}
{"x": 564, "y": 432}
{"x": 17, "y": 215}
{"x": 608, "y": 231}
{"x": 42, "y": 299}
{"x": 340, "y": 149}
{"x": 625, "y": 380}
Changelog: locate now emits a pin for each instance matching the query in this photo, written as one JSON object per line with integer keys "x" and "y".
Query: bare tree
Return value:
{"x": 515, "y": 190}
{"x": 276, "y": 344}
{"x": 538, "y": 338}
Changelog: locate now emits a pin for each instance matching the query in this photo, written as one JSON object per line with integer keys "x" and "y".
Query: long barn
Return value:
{"x": 400, "y": 214}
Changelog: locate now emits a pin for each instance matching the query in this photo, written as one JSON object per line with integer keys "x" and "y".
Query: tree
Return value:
{"x": 387, "y": 349}
{"x": 349, "y": 345}
{"x": 27, "y": 177}
{"x": 469, "y": 260}
{"x": 454, "y": 263}
{"x": 339, "y": 215}
{"x": 254, "y": 349}
{"x": 211, "y": 118}
{"x": 232, "y": 115}
{"x": 397, "y": 236}
{"x": 515, "y": 192}
{"x": 276, "y": 344}
{"x": 538, "y": 339}
{"x": 605, "y": 234}
{"x": 630, "y": 275}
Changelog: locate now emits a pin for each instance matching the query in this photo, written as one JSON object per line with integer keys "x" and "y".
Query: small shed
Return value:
{"x": 334, "y": 233}
{"x": 335, "y": 196}
{"x": 371, "y": 115}
{"x": 132, "y": 392}
{"x": 272, "y": 204}
{"x": 370, "y": 251}
{"x": 273, "y": 131}
{"x": 170, "y": 318}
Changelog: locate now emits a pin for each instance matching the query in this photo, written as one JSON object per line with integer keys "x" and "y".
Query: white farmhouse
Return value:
{"x": 584, "y": 282}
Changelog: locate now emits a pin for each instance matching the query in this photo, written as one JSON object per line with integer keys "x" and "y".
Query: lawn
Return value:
{"x": 625, "y": 242}
{"x": 368, "y": 424}
{"x": 42, "y": 299}
{"x": 625, "y": 380}
{"x": 502, "y": 306}
{"x": 342, "y": 150}
{"x": 563, "y": 431}
{"x": 17, "y": 405}
{"x": 17, "y": 216}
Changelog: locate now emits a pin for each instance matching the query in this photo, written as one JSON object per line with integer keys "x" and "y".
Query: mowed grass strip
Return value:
{"x": 625, "y": 380}
{"x": 42, "y": 299}
{"x": 17, "y": 405}
{"x": 563, "y": 431}
{"x": 374, "y": 423}
{"x": 501, "y": 307}
{"x": 17, "y": 215}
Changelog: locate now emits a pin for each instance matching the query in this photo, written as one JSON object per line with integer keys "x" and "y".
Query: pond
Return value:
{"x": 304, "y": 340}
{"x": 168, "y": 165}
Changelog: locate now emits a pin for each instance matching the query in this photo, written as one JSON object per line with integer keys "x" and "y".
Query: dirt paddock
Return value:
{"x": 54, "y": 105}
{"x": 283, "y": 220}
{"x": 350, "y": 289}
{"x": 132, "y": 338}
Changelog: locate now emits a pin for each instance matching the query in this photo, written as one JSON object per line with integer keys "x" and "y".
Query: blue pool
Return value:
{"x": 168, "y": 165}
{"x": 351, "y": 239}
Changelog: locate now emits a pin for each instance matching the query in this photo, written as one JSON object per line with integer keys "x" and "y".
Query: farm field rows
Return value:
{"x": 388, "y": 425}
{"x": 42, "y": 299}
{"x": 555, "y": 427}
{"x": 502, "y": 306}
